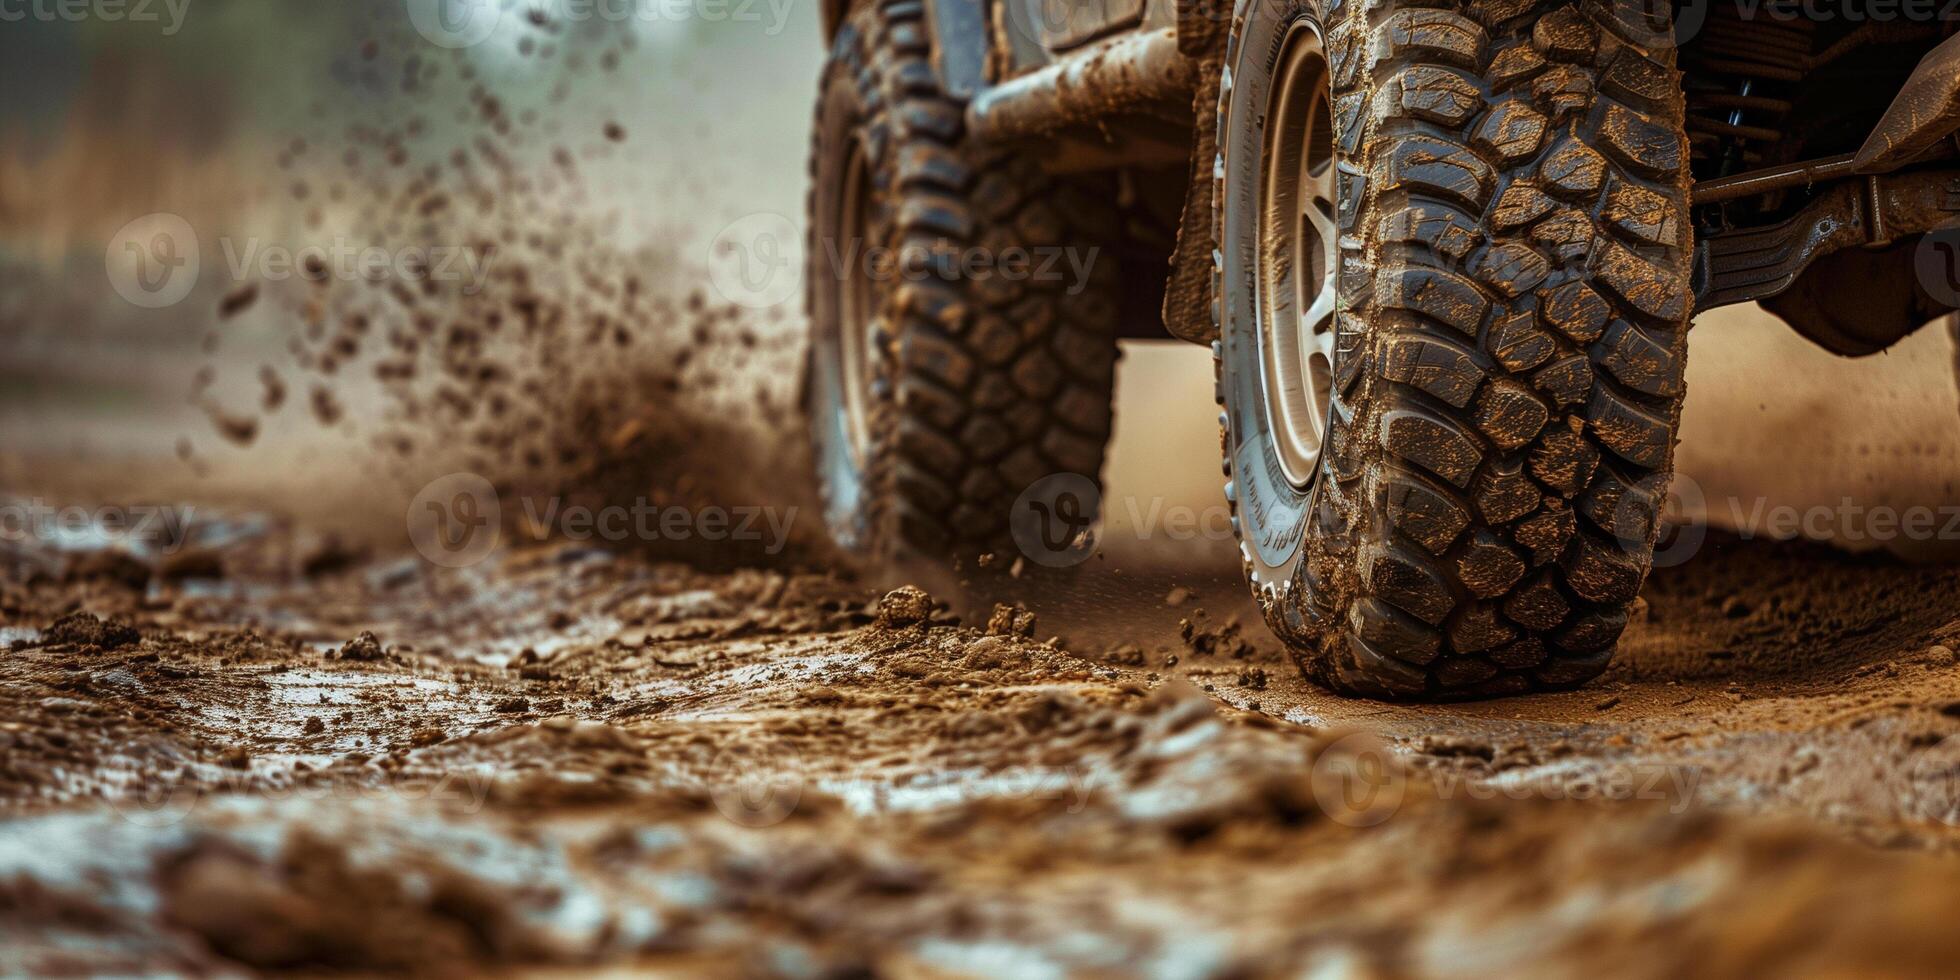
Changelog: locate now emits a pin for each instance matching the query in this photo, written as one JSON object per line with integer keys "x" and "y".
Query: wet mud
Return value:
{"x": 573, "y": 758}
{"x": 275, "y": 746}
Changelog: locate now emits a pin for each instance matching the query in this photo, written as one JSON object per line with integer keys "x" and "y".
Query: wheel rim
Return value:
{"x": 1297, "y": 254}
{"x": 857, "y": 307}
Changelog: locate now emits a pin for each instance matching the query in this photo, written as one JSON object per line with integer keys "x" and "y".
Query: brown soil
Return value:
{"x": 568, "y": 757}
{"x": 275, "y": 749}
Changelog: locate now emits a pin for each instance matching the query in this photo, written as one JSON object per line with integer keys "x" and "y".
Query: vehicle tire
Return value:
{"x": 940, "y": 389}
{"x": 1488, "y": 237}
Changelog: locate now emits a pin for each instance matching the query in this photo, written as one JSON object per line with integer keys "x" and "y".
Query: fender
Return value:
{"x": 1926, "y": 110}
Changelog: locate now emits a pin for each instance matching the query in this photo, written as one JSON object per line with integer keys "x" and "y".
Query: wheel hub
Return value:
{"x": 1298, "y": 254}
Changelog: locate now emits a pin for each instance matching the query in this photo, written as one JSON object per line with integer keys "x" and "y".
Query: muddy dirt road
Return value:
{"x": 280, "y": 746}
{"x": 286, "y": 754}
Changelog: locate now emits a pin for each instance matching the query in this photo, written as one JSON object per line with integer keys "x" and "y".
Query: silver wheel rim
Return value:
{"x": 857, "y": 308}
{"x": 1297, "y": 254}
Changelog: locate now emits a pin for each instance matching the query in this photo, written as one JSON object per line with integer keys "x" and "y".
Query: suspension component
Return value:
{"x": 1742, "y": 73}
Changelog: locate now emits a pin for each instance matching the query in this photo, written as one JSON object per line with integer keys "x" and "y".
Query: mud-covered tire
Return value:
{"x": 1514, "y": 296}
{"x": 981, "y": 384}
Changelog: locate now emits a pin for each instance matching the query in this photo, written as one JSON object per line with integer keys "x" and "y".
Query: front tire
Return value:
{"x": 1505, "y": 348}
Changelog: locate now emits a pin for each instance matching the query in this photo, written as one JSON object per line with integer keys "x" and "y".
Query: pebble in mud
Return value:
{"x": 365, "y": 647}
{"x": 907, "y": 605}
{"x": 1008, "y": 620}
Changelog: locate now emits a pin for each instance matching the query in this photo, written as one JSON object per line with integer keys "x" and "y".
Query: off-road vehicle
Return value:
{"x": 1445, "y": 255}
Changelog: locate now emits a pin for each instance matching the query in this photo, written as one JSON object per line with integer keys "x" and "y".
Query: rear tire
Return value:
{"x": 1508, "y": 345}
{"x": 973, "y": 385}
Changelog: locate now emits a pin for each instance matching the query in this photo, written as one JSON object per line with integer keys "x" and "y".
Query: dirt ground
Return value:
{"x": 279, "y": 746}
{"x": 275, "y": 752}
